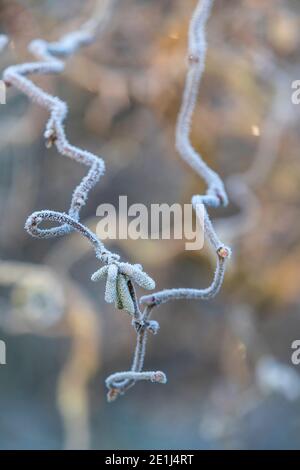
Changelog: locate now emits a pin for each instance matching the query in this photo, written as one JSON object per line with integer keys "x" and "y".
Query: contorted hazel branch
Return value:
{"x": 242, "y": 186}
{"x": 215, "y": 195}
{"x": 121, "y": 277}
{"x": 118, "y": 274}
{"x": 55, "y": 134}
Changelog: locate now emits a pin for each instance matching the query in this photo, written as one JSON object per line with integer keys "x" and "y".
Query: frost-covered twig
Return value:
{"x": 55, "y": 134}
{"x": 215, "y": 195}
{"x": 242, "y": 186}
{"x": 120, "y": 382}
{"x": 120, "y": 277}
{"x": 117, "y": 274}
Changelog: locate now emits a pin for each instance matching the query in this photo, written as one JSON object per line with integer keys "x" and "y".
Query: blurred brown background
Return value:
{"x": 231, "y": 382}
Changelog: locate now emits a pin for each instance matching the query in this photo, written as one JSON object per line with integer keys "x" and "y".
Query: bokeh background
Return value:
{"x": 231, "y": 382}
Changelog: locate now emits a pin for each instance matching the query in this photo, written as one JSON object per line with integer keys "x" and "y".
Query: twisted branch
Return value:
{"x": 118, "y": 274}
{"x": 215, "y": 195}
{"x": 120, "y": 277}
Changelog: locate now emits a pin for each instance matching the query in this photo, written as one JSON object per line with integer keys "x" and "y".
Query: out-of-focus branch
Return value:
{"x": 241, "y": 186}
